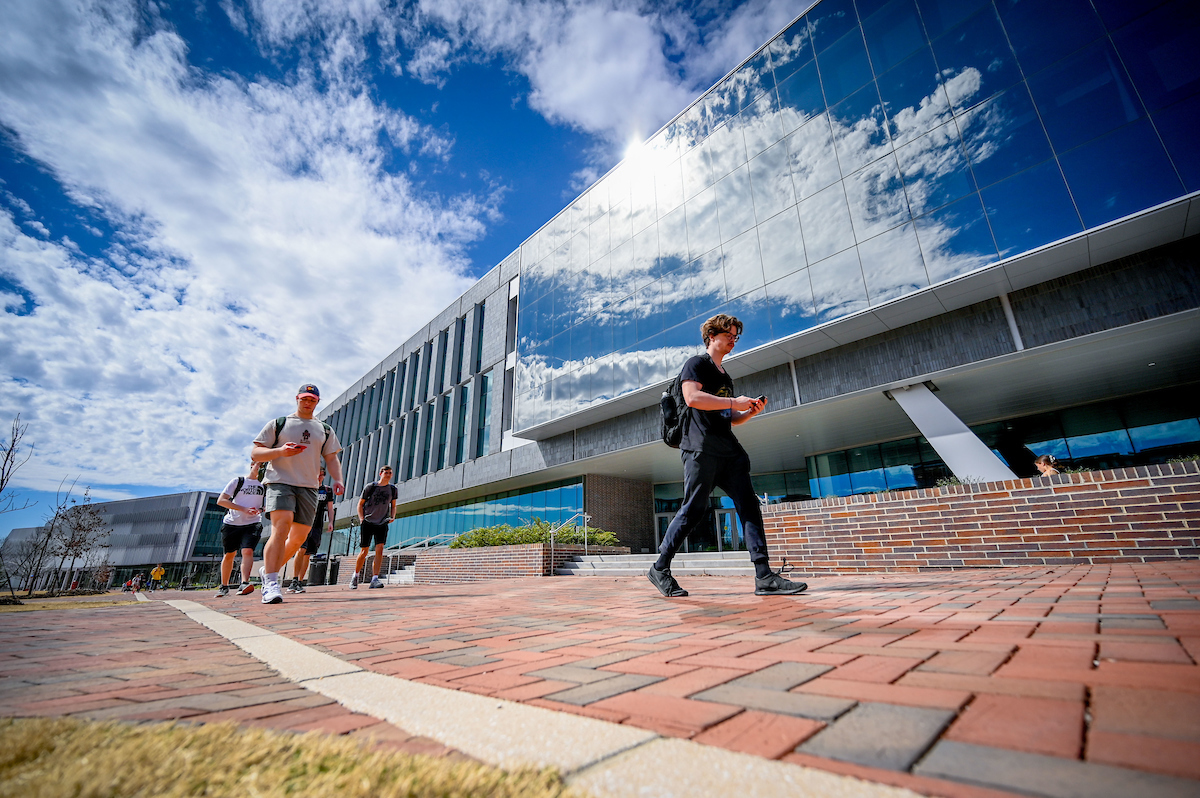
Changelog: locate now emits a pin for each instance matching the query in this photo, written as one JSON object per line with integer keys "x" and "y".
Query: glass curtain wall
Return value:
{"x": 1139, "y": 430}
{"x": 869, "y": 151}
{"x": 554, "y": 502}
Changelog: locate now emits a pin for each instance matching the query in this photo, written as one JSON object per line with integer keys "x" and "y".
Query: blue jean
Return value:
{"x": 701, "y": 473}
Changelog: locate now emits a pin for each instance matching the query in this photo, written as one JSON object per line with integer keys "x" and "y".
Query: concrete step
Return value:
{"x": 710, "y": 563}
{"x": 403, "y": 576}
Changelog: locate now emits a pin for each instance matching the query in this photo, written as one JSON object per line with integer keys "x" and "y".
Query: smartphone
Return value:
{"x": 761, "y": 398}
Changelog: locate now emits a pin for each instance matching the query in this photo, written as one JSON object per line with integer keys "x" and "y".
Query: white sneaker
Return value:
{"x": 375, "y": 583}
{"x": 271, "y": 593}
{"x": 354, "y": 582}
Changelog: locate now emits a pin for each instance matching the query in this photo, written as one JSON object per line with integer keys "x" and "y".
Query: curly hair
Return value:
{"x": 718, "y": 324}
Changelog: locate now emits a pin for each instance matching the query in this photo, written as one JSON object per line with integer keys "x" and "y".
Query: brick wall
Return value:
{"x": 1127, "y": 515}
{"x": 624, "y": 507}
{"x": 446, "y": 566}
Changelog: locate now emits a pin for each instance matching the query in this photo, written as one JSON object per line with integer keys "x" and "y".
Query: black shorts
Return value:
{"x": 235, "y": 538}
{"x": 375, "y": 532}
{"x": 313, "y": 541}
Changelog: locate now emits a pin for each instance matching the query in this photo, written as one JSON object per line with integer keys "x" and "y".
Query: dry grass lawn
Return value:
{"x": 55, "y": 757}
{"x": 69, "y": 604}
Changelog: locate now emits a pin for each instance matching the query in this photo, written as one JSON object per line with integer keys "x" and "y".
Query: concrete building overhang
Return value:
{"x": 1162, "y": 224}
{"x": 1127, "y": 360}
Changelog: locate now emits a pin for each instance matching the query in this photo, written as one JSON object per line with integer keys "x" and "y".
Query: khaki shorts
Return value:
{"x": 301, "y": 502}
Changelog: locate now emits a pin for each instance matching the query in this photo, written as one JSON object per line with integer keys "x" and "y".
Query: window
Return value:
{"x": 479, "y": 310}
{"x": 459, "y": 349}
{"x": 413, "y": 428}
{"x": 443, "y": 434}
{"x": 464, "y": 404}
{"x": 484, "y": 427}
{"x": 427, "y": 443}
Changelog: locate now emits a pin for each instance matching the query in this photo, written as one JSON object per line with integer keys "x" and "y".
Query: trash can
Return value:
{"x": 316, "y": 572}
{"x": 333, "y": 572}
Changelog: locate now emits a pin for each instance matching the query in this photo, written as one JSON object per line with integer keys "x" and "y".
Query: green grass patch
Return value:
{"x": 536, "y": 531}
{"x": 51, "y": 757}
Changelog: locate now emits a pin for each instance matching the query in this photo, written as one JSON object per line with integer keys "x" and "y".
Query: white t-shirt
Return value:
{"x": 302, "y": 470}
{"x": 250, "y": 497}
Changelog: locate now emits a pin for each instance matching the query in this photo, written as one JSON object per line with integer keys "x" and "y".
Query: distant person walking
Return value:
{"x": 323, "y": 522}
{"x": 293, "y": 448}
{"x": 1047, "y": 464}
{"x": 156, "y": 575}
{"x": 241, "y": 528}
{"x": 376, "y": 509}
{"x": 713, "y": 457}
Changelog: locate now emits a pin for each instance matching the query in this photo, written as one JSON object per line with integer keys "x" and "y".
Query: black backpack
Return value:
{"x": 674, "y": 413}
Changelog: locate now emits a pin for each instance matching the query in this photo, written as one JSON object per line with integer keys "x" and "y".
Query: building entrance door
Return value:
{"x": 705, "y": 538}
{"x": 727, "y": 525}
{"x": 661, "y": 522}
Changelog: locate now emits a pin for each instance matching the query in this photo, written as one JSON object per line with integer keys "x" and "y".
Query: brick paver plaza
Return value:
{"x": 1056, "y": 681}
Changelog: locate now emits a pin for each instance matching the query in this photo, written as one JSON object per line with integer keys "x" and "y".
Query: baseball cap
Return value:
{"x": 309, "y": 390}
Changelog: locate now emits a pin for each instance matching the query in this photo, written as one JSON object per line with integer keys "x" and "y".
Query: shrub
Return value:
{"x": 536, "y": 531}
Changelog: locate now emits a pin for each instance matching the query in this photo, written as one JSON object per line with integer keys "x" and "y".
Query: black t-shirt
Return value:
{"x": 377, "y": 502}
{"x": 709, "y": 431}
{"x": 323, "y": 494}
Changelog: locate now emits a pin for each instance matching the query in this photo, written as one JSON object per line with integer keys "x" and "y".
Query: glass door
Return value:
{"x": 728, "y": 538}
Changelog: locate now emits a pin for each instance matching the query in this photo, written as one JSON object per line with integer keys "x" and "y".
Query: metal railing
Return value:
{"x": 554, "y": 531}
{"x": 424, "y": 543}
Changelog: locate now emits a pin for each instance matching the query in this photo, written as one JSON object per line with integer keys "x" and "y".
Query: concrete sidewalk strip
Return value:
{"x": 603, "y": 758}
{"x": 293, "y": 660}
{"x": 499, "y": 732}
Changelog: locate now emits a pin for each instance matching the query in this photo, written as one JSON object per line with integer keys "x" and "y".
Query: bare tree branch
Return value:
{"x": 11, "y": 459}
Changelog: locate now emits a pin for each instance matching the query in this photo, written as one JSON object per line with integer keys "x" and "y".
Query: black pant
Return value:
{"x": 701, "y": 473}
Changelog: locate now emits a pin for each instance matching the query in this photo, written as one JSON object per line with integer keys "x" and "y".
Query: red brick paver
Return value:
{"x": 149, "y": 662}
{"x": 1082, "y": 666}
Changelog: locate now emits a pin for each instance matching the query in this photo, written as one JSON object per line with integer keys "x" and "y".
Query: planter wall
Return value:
{"x": 1126, "y": 515}
{"x": 448, "y": 566}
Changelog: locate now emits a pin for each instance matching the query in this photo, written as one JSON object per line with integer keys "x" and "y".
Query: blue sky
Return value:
{"x": 206, "y": 203}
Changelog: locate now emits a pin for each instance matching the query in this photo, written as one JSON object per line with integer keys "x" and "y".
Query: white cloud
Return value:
{"x": 242, "y": 206}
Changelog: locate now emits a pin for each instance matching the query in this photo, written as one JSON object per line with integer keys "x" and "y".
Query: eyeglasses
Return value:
{"x": 733, "y": 335}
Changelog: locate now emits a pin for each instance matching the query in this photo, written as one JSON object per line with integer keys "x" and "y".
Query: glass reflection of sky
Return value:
{"x": 867, "y": 152}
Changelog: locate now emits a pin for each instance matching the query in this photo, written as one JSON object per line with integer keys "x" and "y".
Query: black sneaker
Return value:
{"x": 665, "y": 583}
{"x": 222, "y": 591}
{"x": 776, "y": 585}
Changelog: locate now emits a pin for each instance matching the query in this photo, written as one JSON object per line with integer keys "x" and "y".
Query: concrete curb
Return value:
{"x": 605, "y": 759}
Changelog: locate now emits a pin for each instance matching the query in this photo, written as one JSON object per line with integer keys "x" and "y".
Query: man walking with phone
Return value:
{"x": 713, "y": 457}
{"x": 293, "y": 447}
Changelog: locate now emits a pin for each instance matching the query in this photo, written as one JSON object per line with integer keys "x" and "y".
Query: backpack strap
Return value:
{"x": 237, "y": 488}
{"x": 279, "y": 422}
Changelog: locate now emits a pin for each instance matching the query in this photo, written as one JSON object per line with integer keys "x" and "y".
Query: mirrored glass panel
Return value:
{"x": 872, "y": 149}
{"x": 1084, "y": 96}
{"x": 1133, "y": 150}
{"x": 876, "y": 198}
{"x": 781, "y": 245}
{"x": 837, "y": 285}
{"x": 975, "y": 58}
{"x": 893, "y": 33}
{"x": 735, "y": 204}
{"x": 771, "y": 182}
{"x": 825, "y": 219}
{"x": 1042, "y": 33}
{"x": 892, "y": 264}
{"x": 790, "y": 304}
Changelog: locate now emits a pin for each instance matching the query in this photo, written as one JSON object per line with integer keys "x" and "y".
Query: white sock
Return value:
{"x": 273, "y": 578}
